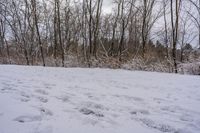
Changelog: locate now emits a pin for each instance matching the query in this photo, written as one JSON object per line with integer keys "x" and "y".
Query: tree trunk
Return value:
{"x": 60, "y": 34}
{"x": 37, "y": 30}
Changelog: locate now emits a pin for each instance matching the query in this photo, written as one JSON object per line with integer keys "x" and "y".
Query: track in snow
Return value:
{"x": 72, "y": 100}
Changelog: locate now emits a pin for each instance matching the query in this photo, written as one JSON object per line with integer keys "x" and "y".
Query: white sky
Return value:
{"x": 108, "y": 5}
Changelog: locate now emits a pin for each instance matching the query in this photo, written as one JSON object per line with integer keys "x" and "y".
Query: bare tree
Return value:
{"x": 111, "y": 50}
{"x": 148, "y": 20}
{"x": 175, "y": 27}
{"x": 34, "y": 6}
{"x": 2, "y": 32}
{"x": 96, "y": 30}
{"x": 196, "y": 19}
{"x": 166, "y": 41}
{"x": 59, "y": 31}
{"x": 125, "y": 18}
{"x": 186, "y": 33}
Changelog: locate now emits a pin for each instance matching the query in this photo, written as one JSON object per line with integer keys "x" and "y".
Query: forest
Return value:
{"x": 152, "y": 35}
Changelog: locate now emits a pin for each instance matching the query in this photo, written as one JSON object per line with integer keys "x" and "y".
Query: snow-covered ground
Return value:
{"x": 75, "y": 100}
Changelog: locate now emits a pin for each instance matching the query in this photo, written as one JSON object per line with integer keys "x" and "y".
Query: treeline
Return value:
{"x": 35, "y": 30}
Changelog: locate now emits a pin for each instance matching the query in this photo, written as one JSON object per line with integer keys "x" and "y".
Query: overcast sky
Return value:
{"x": 108, "y": 5}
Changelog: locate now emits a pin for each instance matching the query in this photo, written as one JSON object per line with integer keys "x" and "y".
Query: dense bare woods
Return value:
{"x": 38, "y": 31}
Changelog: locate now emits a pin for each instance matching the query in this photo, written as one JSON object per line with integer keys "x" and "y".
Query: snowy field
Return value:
{"x": 76, "y": 100}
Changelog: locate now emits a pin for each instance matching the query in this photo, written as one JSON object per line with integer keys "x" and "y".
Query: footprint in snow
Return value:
{"x": 5, "y": 83}
{"x": 130, "y": 98}
{"x": 40, "y": 91}
{"x": 25, "y": 97}
{"x": 7, "y": 89}
{"x": 95, "y": 106}
{"x": 169, "y": 109}
{"x": 186, "y": 118}
{"x": 159, "y": 100}
{"x": 49, "y": 86}
{"x": 138, "y": 99}
{"x": 46, "y": 112}
{"x": 19, "y": 82}
{"x": 90, "y": 96}
{"x": 23, "y": 94}
{"x": 63, "y": 98}
{"x": 140, "y": 111}
{"x": 26, "y": 118}
{"x": 42, "y": 99}
{"x": 158, "y": 126}
{"x": 87, "y": 111}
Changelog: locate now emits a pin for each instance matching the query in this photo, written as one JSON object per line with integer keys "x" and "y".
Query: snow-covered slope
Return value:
{"x": 75, "y": 100}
